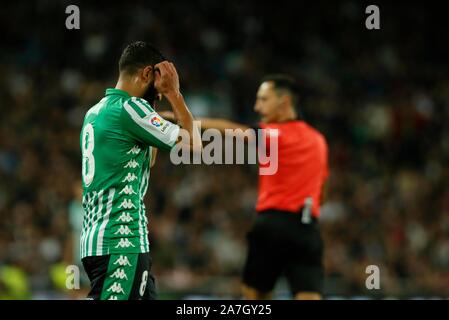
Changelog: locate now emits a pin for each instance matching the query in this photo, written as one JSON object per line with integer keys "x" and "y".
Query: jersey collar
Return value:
{"x": 112, "y": 91}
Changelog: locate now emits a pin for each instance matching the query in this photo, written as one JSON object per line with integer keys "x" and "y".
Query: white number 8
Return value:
{"x": 87, "y": 148}
{"x": 143, "y": 284}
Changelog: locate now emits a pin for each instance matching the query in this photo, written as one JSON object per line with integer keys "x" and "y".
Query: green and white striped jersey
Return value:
{"x": 116, "y": 140}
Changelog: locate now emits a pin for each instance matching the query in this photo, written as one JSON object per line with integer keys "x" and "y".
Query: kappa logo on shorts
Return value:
{"x": 134, "y": 150}
{"x": 123, "y": 261}
{"x": 131, "y": 164}
{"x": 116, "y": 288}
{"x": 125, "y": 217}
{"x": 130, "y": 177}
{"x": 128, "y": 190}
{"x": 124, "y": 243}
{"x": 119, "y": 274}
{"x": 124, "y": 230}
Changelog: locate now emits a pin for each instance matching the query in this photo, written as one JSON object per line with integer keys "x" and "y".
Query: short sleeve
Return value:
{"x": 145, "y": 125}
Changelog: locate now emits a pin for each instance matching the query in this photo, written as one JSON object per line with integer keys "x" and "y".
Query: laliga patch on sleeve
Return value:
{"x": 157, "y": 122}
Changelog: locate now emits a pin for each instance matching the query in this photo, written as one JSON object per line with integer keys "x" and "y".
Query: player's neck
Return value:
{"x": 127, "y": 86}
{"x": 288, "y": 116}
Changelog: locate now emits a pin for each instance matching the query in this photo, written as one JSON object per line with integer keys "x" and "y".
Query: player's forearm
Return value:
{"x": 185, "y": 120}
{"x": 208, "y": 123}
{"x": 220, "y": 124}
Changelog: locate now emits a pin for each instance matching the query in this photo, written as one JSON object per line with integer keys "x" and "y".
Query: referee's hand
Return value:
{"x": 166, "y": 78}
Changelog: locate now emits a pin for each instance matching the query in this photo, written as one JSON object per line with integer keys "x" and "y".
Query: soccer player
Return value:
{"x": 285, "y": 239}
{"x": 118, "y": 141}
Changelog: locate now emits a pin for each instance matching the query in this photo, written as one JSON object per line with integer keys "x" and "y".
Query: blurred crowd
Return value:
{"x": 380, "y": 97}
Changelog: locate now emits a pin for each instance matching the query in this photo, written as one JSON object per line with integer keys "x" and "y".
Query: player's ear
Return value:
{"x": 147, "y": 74}
{"x": 286, "y": 100}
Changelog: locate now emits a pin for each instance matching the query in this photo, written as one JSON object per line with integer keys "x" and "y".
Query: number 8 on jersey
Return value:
{"x": 88, "y": 156}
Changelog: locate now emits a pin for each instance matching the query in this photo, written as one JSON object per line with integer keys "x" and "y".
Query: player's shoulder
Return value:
{"x": 139, "y": 105}
{"x": 97, "y": 108}
{"x": 309, "y": 127}
{"x": 314, "y": 132}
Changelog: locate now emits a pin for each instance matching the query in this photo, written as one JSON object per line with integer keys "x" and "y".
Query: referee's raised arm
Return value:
{"x": 219, "y": 124}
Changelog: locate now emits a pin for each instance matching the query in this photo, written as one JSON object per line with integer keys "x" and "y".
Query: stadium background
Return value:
{"x": 380, "y": 97}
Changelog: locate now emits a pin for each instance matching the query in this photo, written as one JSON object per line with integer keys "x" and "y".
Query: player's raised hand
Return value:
{"x": 166, "y": 78}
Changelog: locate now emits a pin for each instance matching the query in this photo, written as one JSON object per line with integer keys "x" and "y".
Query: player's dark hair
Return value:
{"x": 138, "y": 55}
{"x": 284, "y": 83}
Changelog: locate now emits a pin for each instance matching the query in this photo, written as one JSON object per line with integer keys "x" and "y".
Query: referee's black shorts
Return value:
{"x": 280, "y": 244}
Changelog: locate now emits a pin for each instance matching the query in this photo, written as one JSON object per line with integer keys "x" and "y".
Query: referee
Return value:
{"x": 285, "y": 239}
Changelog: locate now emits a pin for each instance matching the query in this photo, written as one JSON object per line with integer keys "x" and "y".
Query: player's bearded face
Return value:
{"x": 151, "y": 95}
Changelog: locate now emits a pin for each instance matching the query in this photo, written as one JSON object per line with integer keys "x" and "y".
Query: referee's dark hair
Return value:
{"x": 284, "y": 83}
{"x": 138, "y": 55}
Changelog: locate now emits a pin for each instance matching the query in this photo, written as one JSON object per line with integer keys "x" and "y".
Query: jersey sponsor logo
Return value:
{"x": 127, "y": 204}
{"x": 119, "y": 274}
{"x": 130, "y": 177}
{"x": 156, "y": 121}
{"x": 124, "y": 230}
{"x": 116, "y": 288}
{"x": 164, "y": 128}
{"x": 112, "y": 298}
{"x": 125, "y": 217}
{"x": 132, "y": 164}
{"x": 123, "y": 261}
{"x": 134, "y": 150}
{"x": 128, "y": 190}
{"x": 124, "y": 243}
{"x": 159, "y": 123}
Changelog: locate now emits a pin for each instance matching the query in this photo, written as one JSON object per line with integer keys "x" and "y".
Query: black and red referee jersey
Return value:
{"x": 302, "y": 168}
